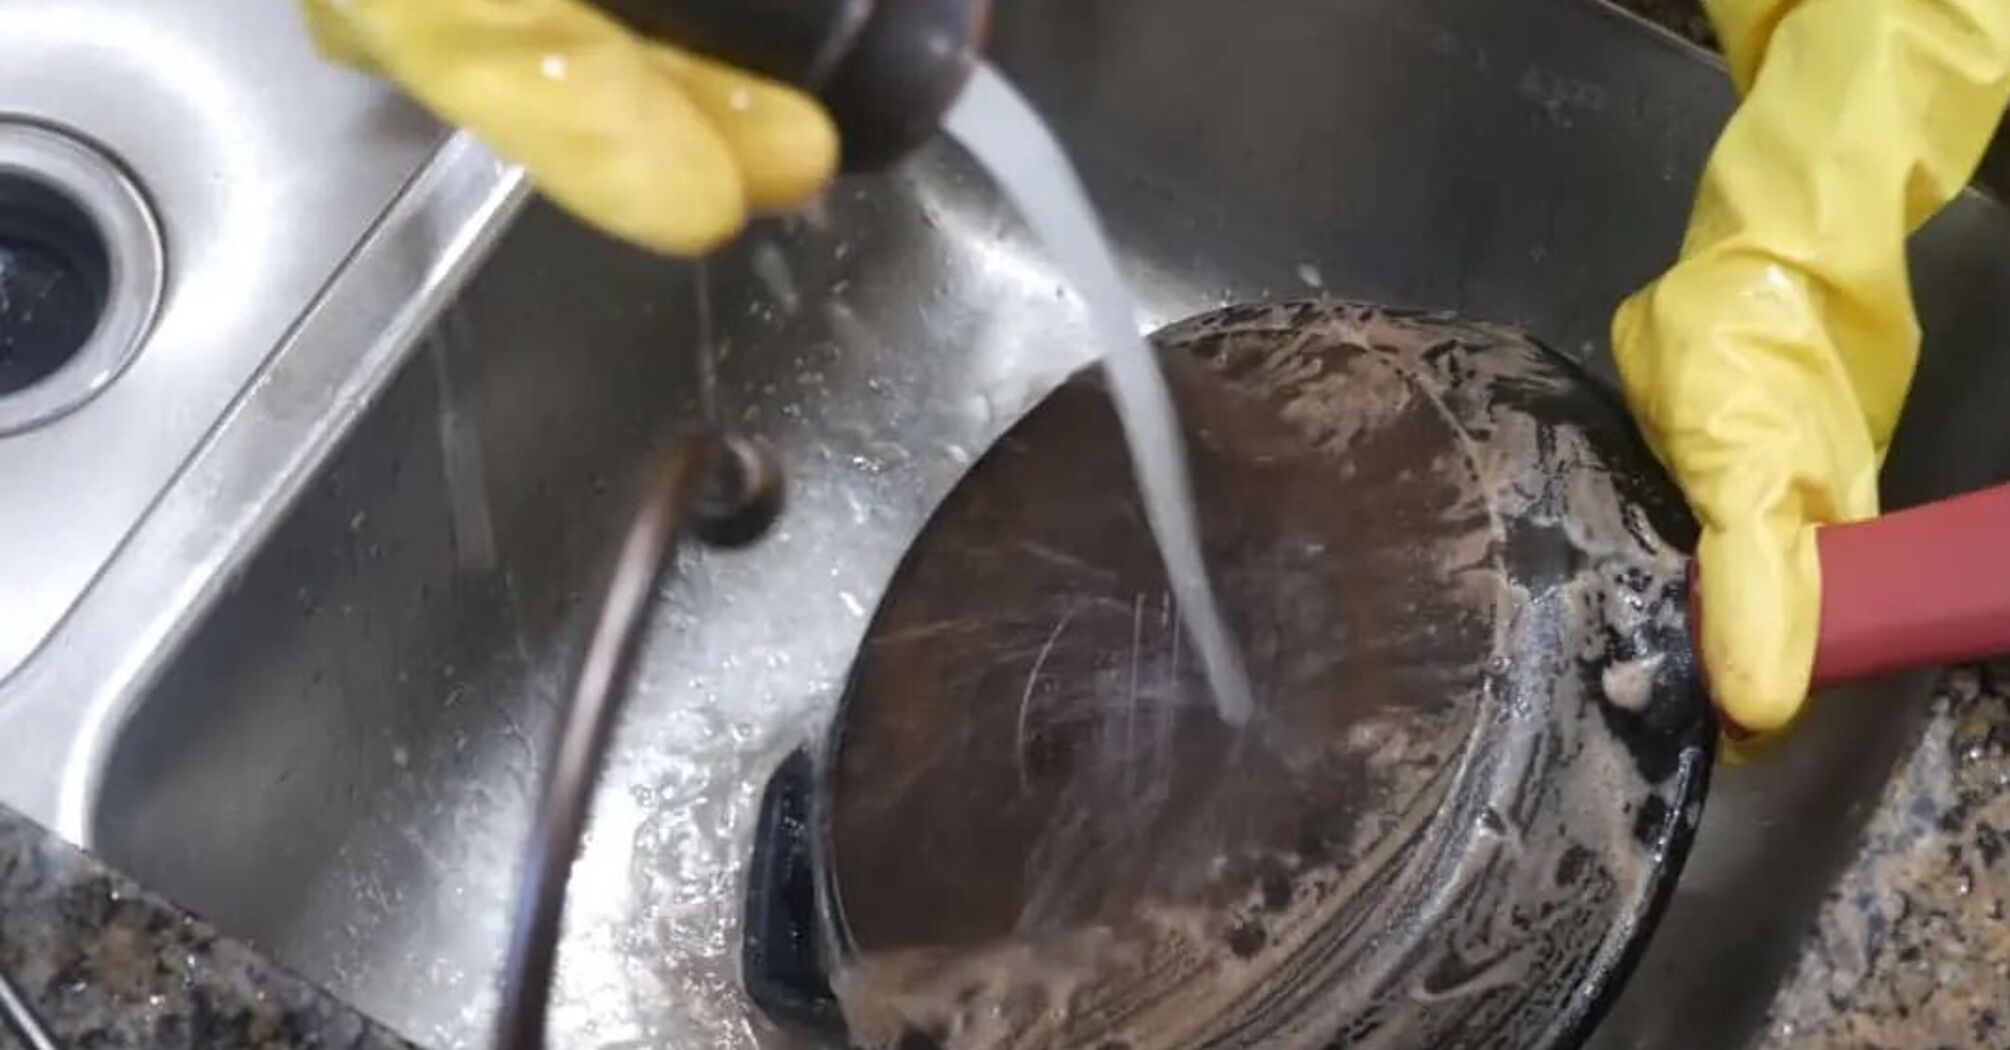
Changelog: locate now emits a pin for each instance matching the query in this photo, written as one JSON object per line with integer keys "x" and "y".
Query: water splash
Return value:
{"x": 1008, "y": 138}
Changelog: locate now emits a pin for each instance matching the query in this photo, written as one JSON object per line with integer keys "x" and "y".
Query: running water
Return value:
{"x": 1009, "y": 140}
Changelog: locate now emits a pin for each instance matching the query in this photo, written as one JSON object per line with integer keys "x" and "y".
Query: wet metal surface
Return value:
{"x": 264, "y": 167}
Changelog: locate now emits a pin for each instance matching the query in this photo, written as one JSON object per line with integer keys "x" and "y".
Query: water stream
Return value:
{"x": 1008, "y": 138}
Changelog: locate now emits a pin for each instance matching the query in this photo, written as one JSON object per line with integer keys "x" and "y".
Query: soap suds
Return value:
{"x": 1531, "y": 859}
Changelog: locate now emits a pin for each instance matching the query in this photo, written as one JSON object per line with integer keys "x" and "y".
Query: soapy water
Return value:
{"x": 1008, "y": 138}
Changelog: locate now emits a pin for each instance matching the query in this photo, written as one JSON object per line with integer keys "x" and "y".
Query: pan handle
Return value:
{"x": 1918, "y": 588}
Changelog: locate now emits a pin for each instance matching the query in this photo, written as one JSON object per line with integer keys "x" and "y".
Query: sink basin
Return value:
{"x": 259, "y": 169}
{"x": 336, "y": 761}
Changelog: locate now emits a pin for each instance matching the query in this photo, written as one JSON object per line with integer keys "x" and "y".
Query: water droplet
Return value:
{"x": 772, "y": 269}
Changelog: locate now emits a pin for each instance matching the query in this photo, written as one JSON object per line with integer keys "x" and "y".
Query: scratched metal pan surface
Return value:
{"x": 1480, "y": 753}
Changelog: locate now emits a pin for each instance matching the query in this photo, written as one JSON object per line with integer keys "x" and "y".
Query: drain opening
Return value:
{"x": 55, "y": 274}
{"x": 82, "y": 271}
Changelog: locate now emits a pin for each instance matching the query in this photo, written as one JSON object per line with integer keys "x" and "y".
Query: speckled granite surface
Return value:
{"x": 108, "y": 965}
{"x": 1911, "y": 949}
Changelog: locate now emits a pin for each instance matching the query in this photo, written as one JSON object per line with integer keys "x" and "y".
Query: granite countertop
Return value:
{"x": 1910, "y": 948}
{"x": 104, "y": 963}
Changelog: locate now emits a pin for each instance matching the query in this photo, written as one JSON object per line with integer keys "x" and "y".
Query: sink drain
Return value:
{"x": 81, "y": 272}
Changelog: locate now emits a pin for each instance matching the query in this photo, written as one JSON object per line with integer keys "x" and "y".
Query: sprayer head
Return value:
{"x": 890, "y": 88}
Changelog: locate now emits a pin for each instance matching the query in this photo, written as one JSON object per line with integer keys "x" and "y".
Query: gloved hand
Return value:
{"x": 654, "y": 145}
{"x": 1768, "y": 366}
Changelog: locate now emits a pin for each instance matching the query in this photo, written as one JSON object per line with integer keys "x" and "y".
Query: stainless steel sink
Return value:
{"x": 327, "y": 746}
{"x": 262, "y": 168}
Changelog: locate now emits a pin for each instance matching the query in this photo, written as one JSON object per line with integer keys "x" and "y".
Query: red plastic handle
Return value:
{"x": 1918, "y": 588}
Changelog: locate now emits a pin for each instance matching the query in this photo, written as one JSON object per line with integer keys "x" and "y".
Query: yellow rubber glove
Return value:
{"x": 649, "y": 143}
{"x": 1768, "y": 366}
